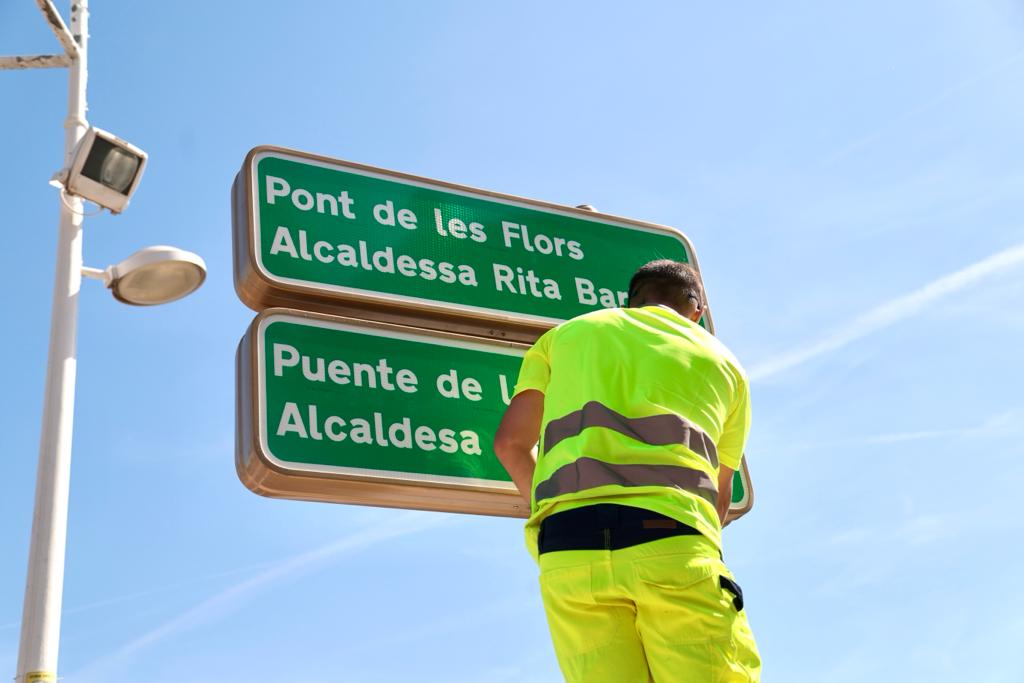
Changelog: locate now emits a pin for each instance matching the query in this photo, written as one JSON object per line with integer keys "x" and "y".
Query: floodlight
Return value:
{"x": 105, "y": 170}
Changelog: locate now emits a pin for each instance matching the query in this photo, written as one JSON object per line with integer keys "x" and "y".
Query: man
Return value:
{"x": 641, "y": 417}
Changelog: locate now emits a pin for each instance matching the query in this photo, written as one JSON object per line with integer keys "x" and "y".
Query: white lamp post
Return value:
{"x": 106, "y": 170}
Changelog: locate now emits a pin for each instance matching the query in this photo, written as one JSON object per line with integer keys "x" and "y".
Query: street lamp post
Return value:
{"x": 150, "y": 276}
{"x": 44, "y": 589}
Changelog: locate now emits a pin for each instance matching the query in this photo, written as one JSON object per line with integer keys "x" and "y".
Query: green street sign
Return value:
{"x": 341, "y": 410}
{"x": 339, "y": 237}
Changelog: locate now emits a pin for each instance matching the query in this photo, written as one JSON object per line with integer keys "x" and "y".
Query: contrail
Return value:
{"x": 1007, "y": 423}
{"x": 106, "y": 602}
{"x": 890, "y": 313}
{"x": 223, "y": 601}
{"x": 1001, "y": 425}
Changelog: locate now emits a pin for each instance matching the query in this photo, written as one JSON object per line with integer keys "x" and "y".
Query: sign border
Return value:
{"x": 269, "y": 295}
{"x": 259, "y": 289}
{"x": 261, "y": 472}
{"x": 737, "y": 510}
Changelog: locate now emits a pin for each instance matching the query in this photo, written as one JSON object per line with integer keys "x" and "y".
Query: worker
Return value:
{"x": 641, "y": 417}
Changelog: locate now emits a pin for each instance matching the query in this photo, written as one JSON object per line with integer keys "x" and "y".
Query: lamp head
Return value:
{"x": 105, "y": 169}
{"x": 156, "y": 275}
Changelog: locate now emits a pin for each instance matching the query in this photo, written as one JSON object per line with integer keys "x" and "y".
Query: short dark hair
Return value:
{"x": 665, "y": 281}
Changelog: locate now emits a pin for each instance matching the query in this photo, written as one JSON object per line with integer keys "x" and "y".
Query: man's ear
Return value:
{"x": 695, "y": 316}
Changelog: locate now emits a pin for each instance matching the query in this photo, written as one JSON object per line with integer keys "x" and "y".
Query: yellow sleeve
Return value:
{"x": 535, "y": 371}
{"x": 736, "y": 428}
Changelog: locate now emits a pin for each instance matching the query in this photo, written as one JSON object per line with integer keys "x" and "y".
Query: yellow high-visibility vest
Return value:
{"x": 640, "y": 407}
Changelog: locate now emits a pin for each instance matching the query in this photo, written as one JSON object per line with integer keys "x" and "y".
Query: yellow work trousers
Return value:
{"x": 653, "y": 612}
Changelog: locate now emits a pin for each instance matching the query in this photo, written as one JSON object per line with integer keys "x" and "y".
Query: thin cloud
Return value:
{"x": 221, "y": 603}
{"x": 106, "y": 602}
{"x": 1008, "y": 423}
{"x": 944, "y": 95}
{"x": 890, "y": 313}
{"x": 892, "y": 542}
{"x": 450, "y": 623}
{"x": 926, "y": 435}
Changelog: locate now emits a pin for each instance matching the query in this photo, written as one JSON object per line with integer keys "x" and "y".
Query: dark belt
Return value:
{"x": 606, "y": 526}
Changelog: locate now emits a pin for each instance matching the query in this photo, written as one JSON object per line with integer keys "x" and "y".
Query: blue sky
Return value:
{"x": 851, "y": 176}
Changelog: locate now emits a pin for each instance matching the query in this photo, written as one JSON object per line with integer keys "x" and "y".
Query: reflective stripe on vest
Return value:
{"x": 587, "y": 473}
{"x": 656, "y": 430}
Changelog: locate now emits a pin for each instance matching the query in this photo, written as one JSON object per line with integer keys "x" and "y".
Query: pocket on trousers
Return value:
{"x": 563, "y": 583}
{"x": 676, "y": 571}
{"x": 684, "y": 600}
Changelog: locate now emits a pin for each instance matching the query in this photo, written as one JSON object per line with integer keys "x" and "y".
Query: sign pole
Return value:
{"x": 40, "y": 625}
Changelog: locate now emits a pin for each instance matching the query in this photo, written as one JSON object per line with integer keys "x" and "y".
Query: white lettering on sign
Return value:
{"x": 451, "y": 221}
{"x": 385, "y": 215}
{"x": 309, "y": 424}
{"x": 317, "y": 369}
{"x": 524, "y": 282}
{"x": 304, "y": 200}
{"x": 458, "y": 229}
{"x": 448, "y": 386}
{"x": 359, "y": 256}
{"x": 506, "y": 391}
{"x": 538, "y": 242}
{"x": 587, "y": 293}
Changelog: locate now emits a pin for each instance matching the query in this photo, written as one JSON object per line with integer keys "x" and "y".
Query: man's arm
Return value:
{"x": 731, "y": 444}
{"x": 517, "y": 436}
{"x": 724, "y": 492}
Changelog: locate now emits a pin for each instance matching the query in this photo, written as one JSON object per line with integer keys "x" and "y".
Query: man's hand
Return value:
{"x": 724, "y": 492}
{"x": 517, "y": 436}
